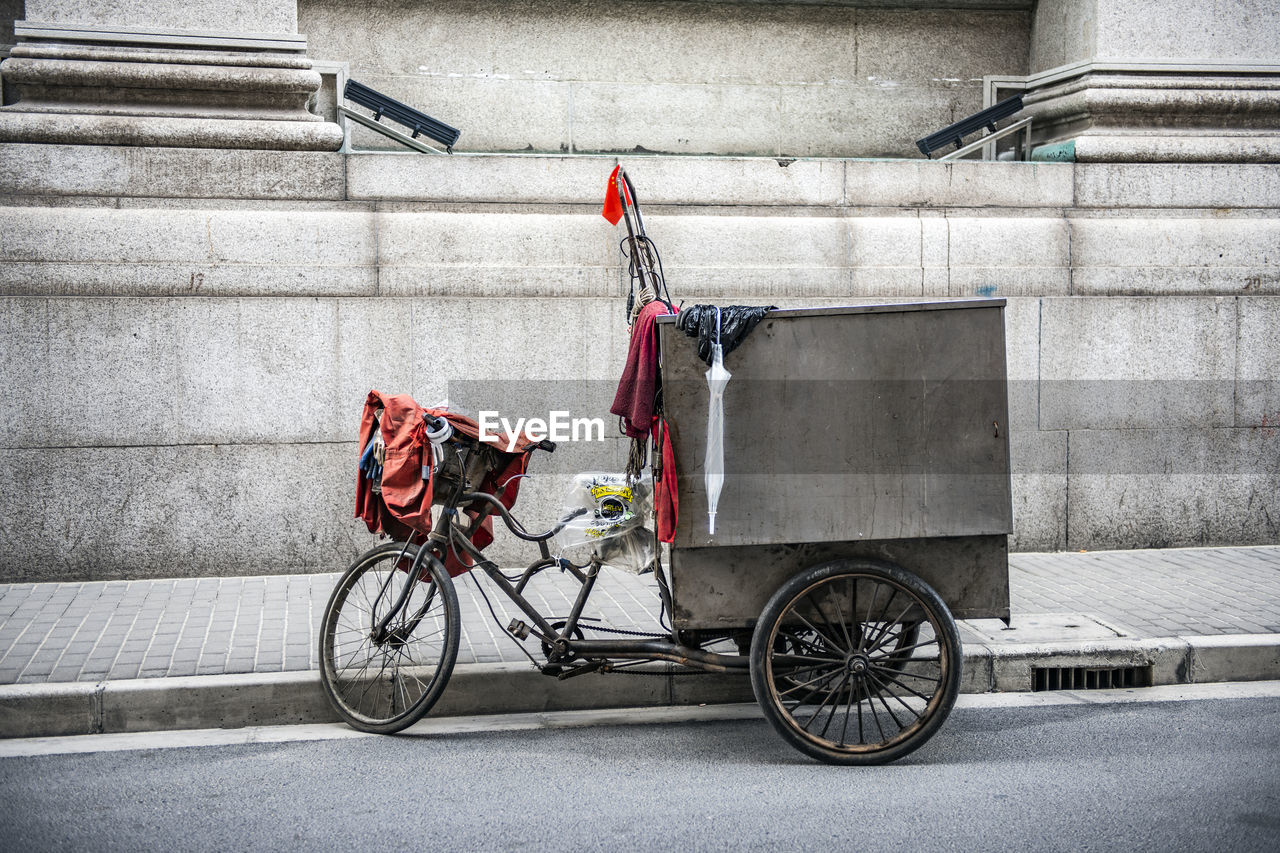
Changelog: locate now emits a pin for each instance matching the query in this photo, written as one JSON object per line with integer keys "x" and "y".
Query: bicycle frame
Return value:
{"x": 568, "y": 656}
{"x": 594, "y": 654}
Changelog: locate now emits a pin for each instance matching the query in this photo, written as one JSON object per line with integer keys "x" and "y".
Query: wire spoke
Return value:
{"x": 821, "y": 616}
{"x": 880, "y": 695}
{"x": 913, "y": 675}
{"x": 884, "y": 626}
{"x": 844, "y": 626}
{"x": 824, "y": 637}
{"x": 814, "y": 692}
{"x": 899, "y": 699}
{"x": 871, "y": 706}
{"x": 836, "y": 694}
{"x": 803, "y": 644}
{"x": 806, "y": 684}
{"x": 893, "y": 593}
{"x": 898, "y": 651}
{"x": 824, "y": 702}
{"x": 905, "y": 687}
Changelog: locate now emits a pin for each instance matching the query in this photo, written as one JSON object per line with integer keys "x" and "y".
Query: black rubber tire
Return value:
{"x": 413, "y": 667}
{"x": 801, "y": 652}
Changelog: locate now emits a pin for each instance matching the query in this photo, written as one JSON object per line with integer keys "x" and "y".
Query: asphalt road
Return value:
{"x": 1166, "y": 776}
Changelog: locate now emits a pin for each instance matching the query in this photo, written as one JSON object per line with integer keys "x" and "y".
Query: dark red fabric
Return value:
{"x": 666, "y": 497}
{"x": 639, "y": 384}
{"x": 403, "y": 509}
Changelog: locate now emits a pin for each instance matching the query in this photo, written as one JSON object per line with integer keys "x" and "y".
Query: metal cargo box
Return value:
{"x": 876, "y": 430}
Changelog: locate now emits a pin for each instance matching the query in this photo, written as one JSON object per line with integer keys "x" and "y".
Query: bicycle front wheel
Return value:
{"x": 380, "y": 677}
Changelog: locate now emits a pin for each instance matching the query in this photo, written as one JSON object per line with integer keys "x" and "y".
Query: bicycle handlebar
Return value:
{"x": 515, "y": 526}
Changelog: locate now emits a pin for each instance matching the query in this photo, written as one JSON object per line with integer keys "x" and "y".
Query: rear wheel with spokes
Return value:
{"x": 381, "y": 674}
{"x": 856, "y": 662}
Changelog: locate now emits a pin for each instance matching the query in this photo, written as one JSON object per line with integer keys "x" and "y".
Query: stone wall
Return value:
{"x": 187, "y": 335}
{"x": 831, "y": 80}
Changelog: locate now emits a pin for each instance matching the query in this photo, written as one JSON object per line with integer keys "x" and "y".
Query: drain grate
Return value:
{"x": 1089, "y": 677}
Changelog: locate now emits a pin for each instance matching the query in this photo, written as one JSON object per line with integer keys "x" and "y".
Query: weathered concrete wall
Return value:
{"x": 681, "y": 77}
{"x": 187, "y": 336}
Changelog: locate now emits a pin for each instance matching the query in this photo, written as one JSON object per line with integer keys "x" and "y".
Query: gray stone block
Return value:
{"x": 210, "y": 371}
{"x": 958, "y": 184}
{"x": 373, "y": 350}
{"x": 999, "y": 256}
{"x": 1187, "y": 31}
{"x": 1177, "y": 185}
{"x": 211, "y": 252}
{"x": 831, "y": 120}
{"x": 184, "y": 371}
{"x": 598, "y": 41}
{"x": 223, "y": 701}
{"x": 252, "y": 16}
{"x": 1022, "y": 356}
{"x": 1038, "y": 465}
{"x": 47, "y": 710}
{"x": 90, "y": 170}
{"x": 165, "y": 132}
{"x": 1260, "y": 146}
{"x": 1182, "y": 255}
{"x": 1061, "y": 32}
{"x": 975, "y": 672}
{"x": 941, "y": 45}
{"x": 436, "y": 253}
{"x": 1171, "y": 488}
{"x": 755, "y": 181}
{"x": 530, "y": 179}
{"x": 1258, "y": 364}
{"x": 1115, "y": 362}
{"x": 185, "y": 511}
{"x": 778, "y": 255}
{"x": 713, "y": 118}
{"x": 1234, "y": 657}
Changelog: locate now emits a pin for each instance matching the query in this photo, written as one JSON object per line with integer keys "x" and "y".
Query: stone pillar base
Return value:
{"x": 1150, "y": 115}
{"x": 72, "y": 129}
{"x": 170, "y": 92}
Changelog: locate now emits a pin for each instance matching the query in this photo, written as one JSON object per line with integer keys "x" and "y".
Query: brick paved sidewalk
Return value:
{"x": 143, "y": 629}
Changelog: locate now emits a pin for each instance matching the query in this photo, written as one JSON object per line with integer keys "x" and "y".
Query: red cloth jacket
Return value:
{"x": 666, "y": 497}
{"x": 639, "y": 384}
{"x": 403, "y": 509}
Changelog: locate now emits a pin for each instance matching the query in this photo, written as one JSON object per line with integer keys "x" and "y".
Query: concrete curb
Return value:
{"x": 288, "y": 698}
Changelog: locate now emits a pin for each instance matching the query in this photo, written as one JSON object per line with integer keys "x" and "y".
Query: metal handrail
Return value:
{"x": 1021, "y": 124}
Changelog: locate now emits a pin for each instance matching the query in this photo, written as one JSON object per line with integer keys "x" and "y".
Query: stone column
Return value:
{"x": 212, "y": 74}
{"x": 1157, "y": 80}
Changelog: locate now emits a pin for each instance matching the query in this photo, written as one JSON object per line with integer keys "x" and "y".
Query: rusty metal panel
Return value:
{"x": 859, "y": 423}
{"x": 727, "y": 587}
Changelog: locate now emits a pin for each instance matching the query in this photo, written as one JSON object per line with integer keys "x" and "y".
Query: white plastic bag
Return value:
{"x": 612, "y": 527}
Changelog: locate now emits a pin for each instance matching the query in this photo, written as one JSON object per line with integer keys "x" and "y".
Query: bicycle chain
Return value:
{"x": 673, "y": 674}
{"x": 624, "y": 632}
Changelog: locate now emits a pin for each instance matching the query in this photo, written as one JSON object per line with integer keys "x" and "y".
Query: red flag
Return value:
{"x": 612, "y": 203}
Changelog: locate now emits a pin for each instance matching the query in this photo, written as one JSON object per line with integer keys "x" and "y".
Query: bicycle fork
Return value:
{"x": 381, "y": 633}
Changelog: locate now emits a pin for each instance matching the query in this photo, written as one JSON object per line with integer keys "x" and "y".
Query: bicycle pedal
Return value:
{"x": 592, "y": 666}
{"x": 518, "y": 629}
